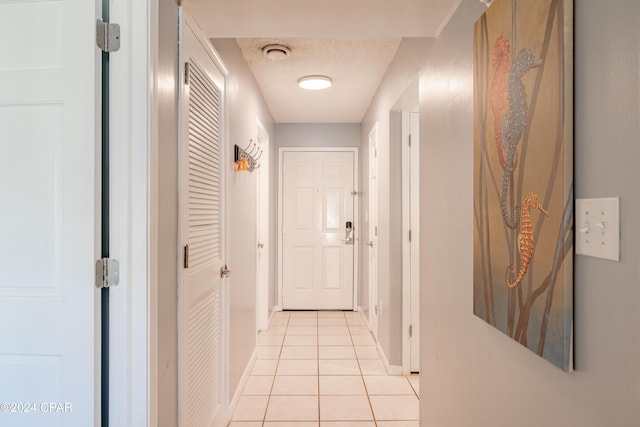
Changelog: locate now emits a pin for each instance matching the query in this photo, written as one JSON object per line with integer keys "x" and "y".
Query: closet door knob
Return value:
{"x": 224, "y": 271}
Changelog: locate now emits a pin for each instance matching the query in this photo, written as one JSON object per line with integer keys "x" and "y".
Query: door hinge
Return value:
{"x": 185, "y": 257}
{"x": 107, "y": 36}
{"x": 410, "y": 235}
{"x": 186, "y": 73}
{"x": 409, "y": 140}
{"x": 107, "y": 273}
{"x": 410, "y": 331}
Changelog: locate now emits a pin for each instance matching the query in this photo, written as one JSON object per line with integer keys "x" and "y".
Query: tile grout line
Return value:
{"x": 352, "y": 346}
{"x": 264, "y": 417}
{"x": 373, "y": 415}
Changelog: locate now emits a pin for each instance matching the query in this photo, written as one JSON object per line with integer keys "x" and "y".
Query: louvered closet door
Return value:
{"x": 200, "y": 291}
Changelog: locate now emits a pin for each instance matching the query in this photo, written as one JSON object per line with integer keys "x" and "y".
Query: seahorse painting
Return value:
{"x": 499, "y": 93}
{"x": 523, "y": 174}
{"x": 531, "y": 201}
{"x": 514, "y": 123}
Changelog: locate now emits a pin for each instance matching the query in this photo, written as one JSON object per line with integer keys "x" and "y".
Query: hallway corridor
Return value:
{"x": 323, "y": 369}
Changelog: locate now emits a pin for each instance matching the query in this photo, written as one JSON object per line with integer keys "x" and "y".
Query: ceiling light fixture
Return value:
{"x": 276, "y": 52}
{"x": 315, "y": 82}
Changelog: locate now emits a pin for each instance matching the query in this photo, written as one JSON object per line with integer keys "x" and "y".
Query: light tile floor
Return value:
{"x": 322, "y": 369}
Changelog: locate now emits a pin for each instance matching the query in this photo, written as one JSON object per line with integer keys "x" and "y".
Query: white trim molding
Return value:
{"x": 132, "y": 371}
{"x": 242, "y": 383}
{"x": 391, "y": 369}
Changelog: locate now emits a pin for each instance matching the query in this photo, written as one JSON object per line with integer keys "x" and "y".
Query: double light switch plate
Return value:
{"x": 598, "y": 228}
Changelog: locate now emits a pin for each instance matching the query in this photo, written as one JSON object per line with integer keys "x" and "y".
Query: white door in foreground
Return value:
{"x": 318, "y": 237}
{"x": 48, "y": 244}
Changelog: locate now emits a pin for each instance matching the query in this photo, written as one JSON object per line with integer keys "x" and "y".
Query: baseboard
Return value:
{"x": 271, "y": 316}
{"x": 243, "y": 381}
{"x": 391, "y": 369}
{"x": 366, "y": 320}
{"x": 276, "y": 308}
{"x": 395, "y": 370}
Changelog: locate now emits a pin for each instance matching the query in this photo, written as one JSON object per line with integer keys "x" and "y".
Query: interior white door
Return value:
{"x": 373, "y": 231}
{"x": 318, "y": 253}
{"x": 50, "y": 210}
{"x": 262, "y": 231}
{"x": 201, "y": 312}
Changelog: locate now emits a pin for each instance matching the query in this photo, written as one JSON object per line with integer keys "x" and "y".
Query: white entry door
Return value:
{"x": 201, "y": 309}
{"x": 48, "y": 220}
{"x": 318, "y": 249}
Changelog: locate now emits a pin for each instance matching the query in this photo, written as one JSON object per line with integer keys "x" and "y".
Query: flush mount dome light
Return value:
{"x": 276, "y": 52}
{"x": 315, "y": 82}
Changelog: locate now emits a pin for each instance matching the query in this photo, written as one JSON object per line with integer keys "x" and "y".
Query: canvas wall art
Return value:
{"x": 523, "y": 174}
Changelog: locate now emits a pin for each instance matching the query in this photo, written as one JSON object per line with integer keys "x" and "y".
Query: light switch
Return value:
{"x": 598, "y": 228}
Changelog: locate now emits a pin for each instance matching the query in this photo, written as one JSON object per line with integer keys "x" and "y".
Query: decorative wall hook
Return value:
{"x": 247, "y": 158}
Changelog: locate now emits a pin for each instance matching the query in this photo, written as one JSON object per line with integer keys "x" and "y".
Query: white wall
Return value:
{"x": 472, "y": 374}
{"x": 167, "y": 211}
{"x": 317, "y": 135}
{"x": 245, "y": 105}
{"x": 401, "y": 73}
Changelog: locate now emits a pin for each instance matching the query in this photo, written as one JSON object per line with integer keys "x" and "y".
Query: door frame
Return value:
{"x": 356, "y": 214}
{"x": 410, "y": 223}
{"x": 262, "y": 208}
{"x": 133, "y": 233}
{"x": 373, "y": 267}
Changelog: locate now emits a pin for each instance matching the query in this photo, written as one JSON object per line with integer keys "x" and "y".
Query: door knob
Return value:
{"x": 260, "y": 245}
{"x": 224, "y": 271}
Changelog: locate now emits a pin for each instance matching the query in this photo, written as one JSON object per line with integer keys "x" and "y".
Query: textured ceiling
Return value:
{"x": 356, "y": 66}
{"x": 352, "y": 41}
{"x": 321, "y": 18}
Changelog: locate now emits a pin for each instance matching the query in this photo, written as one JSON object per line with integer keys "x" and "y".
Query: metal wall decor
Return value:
{"x": 247, "y": 158}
